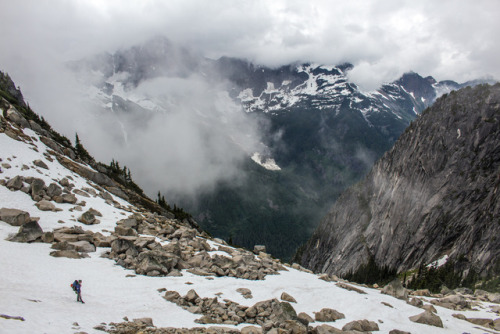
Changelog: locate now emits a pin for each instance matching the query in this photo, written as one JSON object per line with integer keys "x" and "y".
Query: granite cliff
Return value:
{"x": 435, "y": 193}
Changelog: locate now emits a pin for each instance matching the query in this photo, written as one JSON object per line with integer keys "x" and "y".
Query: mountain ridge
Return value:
{"x": 319, "y": 132}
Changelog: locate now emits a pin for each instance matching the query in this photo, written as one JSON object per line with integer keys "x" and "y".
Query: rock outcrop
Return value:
{"x": 434, "y": 193}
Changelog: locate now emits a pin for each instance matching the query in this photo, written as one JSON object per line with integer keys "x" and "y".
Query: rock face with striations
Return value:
{"x": 435, "y": 192}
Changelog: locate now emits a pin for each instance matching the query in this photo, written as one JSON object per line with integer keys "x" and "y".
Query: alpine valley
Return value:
{"x": 317, "y": 133}
{"x": 148, "y": 269}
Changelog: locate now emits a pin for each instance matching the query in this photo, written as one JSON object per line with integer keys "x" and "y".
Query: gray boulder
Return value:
{"x": 54, "y": 190}
{"x": 328, "y": 315}
{"x": 14, "y": 116}
{"x": 287, "y": 298}
{"x": 121, "y": 245}
{"x": 28, "y": 232}
{"x": 259, "y": 248}
{"x": 125, "y": 231}
{"x": 396, "y": 289}
{"x": 427, "y": 318}
{"x": 69, "y": 198}
{"x": 326, "y": 329}
{"x": 361, "y": 326}
{"x": 14, "y": 217}
{"x": 16, "y": 183}
{"x": 156, "y": 260}
{"x": 41, "y": 164}
{"x": 45, "y": 205}
{"x": 37, "y": 189}
{"x": 88, "y": 218}
{"x": 72, "y": 254}
{"x": 83, "y": 246}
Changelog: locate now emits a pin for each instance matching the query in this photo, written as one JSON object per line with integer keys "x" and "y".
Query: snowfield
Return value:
{"x": 36, "y": 286}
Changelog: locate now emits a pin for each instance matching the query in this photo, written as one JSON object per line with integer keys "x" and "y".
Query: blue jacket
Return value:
{"x": 77, "y": 286}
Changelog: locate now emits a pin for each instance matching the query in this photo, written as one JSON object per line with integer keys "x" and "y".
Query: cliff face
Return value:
{"x": 434, "y": 193}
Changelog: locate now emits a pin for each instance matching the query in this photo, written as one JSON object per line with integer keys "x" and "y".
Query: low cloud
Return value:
{"x": 200, "y": 137}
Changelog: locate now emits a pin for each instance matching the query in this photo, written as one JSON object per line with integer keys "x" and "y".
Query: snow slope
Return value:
{"x": 36, "y": 286}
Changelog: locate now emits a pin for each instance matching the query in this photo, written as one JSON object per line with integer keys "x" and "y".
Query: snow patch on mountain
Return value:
{"x": 267, "y": 163}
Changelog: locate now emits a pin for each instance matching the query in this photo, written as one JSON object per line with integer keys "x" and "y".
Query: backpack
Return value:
{"x": 73, "y": 286}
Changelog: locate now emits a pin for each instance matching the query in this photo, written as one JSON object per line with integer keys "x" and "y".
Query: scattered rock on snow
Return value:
{"x": 72, "y": 254}
{"x": 361, "y": 326}
{"x": 14, "y": 217}
{"x": 45, "y": 205}
{"x": 28, "y": 232}
{"x": 88, "y": 218}
{"x": 396, "y": 289}
{"x": 427, "y": 318}
{"x": 328, "y": 315}
{"x": 287, "y": 298}
{"x": 41, "y": 164}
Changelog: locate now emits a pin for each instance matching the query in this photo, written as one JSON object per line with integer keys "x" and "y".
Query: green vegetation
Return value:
{"x": 123, "y": 176}
{"x": 80, "y": 151}
{"x": 178, "y": 212}
{"x": 434, "y": 278}
{"x": 371, "y": 273}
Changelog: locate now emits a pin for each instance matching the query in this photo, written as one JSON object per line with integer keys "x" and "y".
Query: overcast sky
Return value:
{"x": 455, "y": 39}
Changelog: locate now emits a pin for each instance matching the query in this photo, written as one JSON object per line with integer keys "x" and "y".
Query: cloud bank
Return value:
{"x": 383, "y": 38}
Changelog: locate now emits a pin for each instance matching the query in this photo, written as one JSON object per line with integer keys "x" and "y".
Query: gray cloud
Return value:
{"x": 447, "y": 39}
{"x": 383, "y": 39}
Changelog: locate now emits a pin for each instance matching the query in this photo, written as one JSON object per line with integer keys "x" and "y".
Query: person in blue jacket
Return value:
{"x": 77, "y": 287}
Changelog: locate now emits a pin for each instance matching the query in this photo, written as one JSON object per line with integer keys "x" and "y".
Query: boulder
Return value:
{"x": 28, "y": 232}
{"x": 328, "y": 315}
{"x": 53, "y": 190}
{"x": 62, "y": 245}
{"x": 396, "y": 289}
{"x": 326, "y": 329}
{"x": 361, "y": 326}
{"x": 81, "y": 193}
{"x": 37, "y": 189}
{"x": 35, "y": 127}
{"x": 422, "y": 293}
{"x": 246, "y": 293}
{"x": 69, "y": 198}
{"x": 121, "y": 245}
{"x": 48, "y": 237}
{"x": 156, "y": 260}
{"x": 72, "y": 254}
{"x": 114, "y": 190}
{"x": 128, "y": 222}
{"x": 83, "y": 246}
{"x": 41, "y": 164}
{"x": 146, "y": 322}
{"x": 305, "y": 318}
{"x": 88, "y": 218}
{"x": 100, "y": 240}
{"x": 51, "y": 144}
{"x": 416, "y": 302}
{"x": 251, "y": 330}
{"x": 14, "y": 116}
{"x": 294, "y": 326}
{"x": 287, "y": 298}
{"x": 427, "y": 318}
{"x": 191, "y": 296}
{"x": 125, "y": 231}
{"x": 45, "y": 205}
{"x": 16, "y": 183}
{"x": 452, "y": 302}
{"x": 259, "y": 248}
{"x": 397, "y": 331}
{"x": 14, "y": 217}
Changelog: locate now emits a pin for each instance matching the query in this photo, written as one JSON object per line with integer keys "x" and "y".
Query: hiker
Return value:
{"x": 77, "y": 287}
